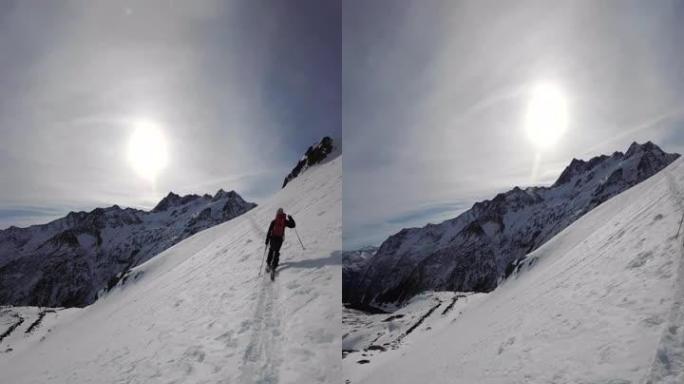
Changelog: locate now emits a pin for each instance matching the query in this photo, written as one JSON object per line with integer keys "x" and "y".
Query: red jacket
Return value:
{"x": 289, "y": 223}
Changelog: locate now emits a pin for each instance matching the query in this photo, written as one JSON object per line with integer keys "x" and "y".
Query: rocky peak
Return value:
{"x": 74, "y": 217}
{"x": 221, "y": 194}
{"x": 575, "y": 168}
{"x": 647, "y": 147}
{"x": 314, "y": 155}
{"x": 579, "y": 167}
{"x": 173, "y": 200}
{"x": 167, "y": 202}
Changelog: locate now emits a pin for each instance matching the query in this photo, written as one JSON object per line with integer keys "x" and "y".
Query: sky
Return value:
{"x": 239, "y": 90}
{"x": 435, "y": 94}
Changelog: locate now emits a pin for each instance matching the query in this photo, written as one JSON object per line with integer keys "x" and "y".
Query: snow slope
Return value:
{"x": 366, "y": 335}
{"x": 601, "y": 302}
{"x": 198, "y": 313}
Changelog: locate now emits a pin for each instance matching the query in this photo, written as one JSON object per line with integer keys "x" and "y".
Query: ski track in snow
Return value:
{"x": 420, "y": 320}
{"x": 19, "y": 320}
{"x": 262, "y": 356}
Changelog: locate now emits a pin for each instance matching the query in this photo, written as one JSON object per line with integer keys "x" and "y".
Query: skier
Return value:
{"x": 275, "y": 235}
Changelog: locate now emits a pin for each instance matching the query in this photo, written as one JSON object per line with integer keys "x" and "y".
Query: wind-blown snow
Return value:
{"x": 198, "y": 313}
{"x": 601, "y": 302}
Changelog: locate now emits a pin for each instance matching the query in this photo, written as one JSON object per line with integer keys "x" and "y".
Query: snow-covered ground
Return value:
{"x": 366, "y": 336}
{"x": 601, "y": 302}
{"x": 198, "y": 313}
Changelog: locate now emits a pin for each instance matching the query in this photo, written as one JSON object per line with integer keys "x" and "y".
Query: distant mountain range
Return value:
{"x": 477, "y": 249}
{"x": 68, "y": 261}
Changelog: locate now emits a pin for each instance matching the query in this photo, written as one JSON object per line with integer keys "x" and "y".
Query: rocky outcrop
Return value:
{"x": 314, "y": 155}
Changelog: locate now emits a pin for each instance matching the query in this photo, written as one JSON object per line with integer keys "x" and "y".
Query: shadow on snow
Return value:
{"x": 334, "y": 258}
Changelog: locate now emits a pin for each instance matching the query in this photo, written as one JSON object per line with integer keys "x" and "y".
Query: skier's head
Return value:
{"x": 280, "y": 211}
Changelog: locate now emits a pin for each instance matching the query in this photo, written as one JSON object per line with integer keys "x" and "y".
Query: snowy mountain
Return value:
{"x": 68, "y": 261}
{"x": 199, "y": 313}
{"x": 353, "y": 266}
{"x": 601, "y": 302}
{"x": 475, "y": 250}
{"x": 316, "y": 154}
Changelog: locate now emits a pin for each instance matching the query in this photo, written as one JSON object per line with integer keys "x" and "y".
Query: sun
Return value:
{"x": 547, "y": 115}
{"x": 147, "y": 149}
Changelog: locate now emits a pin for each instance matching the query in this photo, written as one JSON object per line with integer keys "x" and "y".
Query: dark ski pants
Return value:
{"x": 274, "y": 252}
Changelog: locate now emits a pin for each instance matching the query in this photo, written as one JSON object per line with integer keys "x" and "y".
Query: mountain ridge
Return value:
{"x": 68, "y": 261}
{"x": 600, "y": 302}
{"x": 478, "y": 248}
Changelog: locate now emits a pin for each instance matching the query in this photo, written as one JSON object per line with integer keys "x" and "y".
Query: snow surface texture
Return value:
{"x": 198, "y": 313}
{"x": 601, "y": 302}
{"x": 477, "y": 249}
{"x": 69, "y": 261}
{"x": 365, "y": 336}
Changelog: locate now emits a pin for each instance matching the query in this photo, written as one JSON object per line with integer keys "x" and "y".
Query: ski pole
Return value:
{"x": 299, "y": 238}
{"x": 262, "y": 261}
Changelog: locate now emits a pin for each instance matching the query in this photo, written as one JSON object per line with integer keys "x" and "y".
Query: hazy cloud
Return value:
{"x": 434, "y": 96}
{"x": 240, "y": 88}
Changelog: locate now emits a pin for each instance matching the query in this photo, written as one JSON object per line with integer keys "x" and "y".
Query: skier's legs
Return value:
{"x": 276, "y": 243}
{"x": 270, "y": 254}
{"x": 273, "y": 249}
{"x": 276, "y": 259}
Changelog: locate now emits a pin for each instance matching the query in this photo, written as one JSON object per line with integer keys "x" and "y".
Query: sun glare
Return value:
{"x": 147, "y": 150}
{"x": 547, "y": 116}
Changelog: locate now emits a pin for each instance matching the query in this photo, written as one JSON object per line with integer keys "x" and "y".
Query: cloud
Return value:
{"x": 25, "y": 216}
{"x": 240, "y": 90}
{"x": 372, "y": 230}
{"x": 435, "y": 94}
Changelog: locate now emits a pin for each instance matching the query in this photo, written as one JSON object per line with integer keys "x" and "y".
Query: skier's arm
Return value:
{"x": 290, "y": 222}
{"x": 268, "y": 234}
